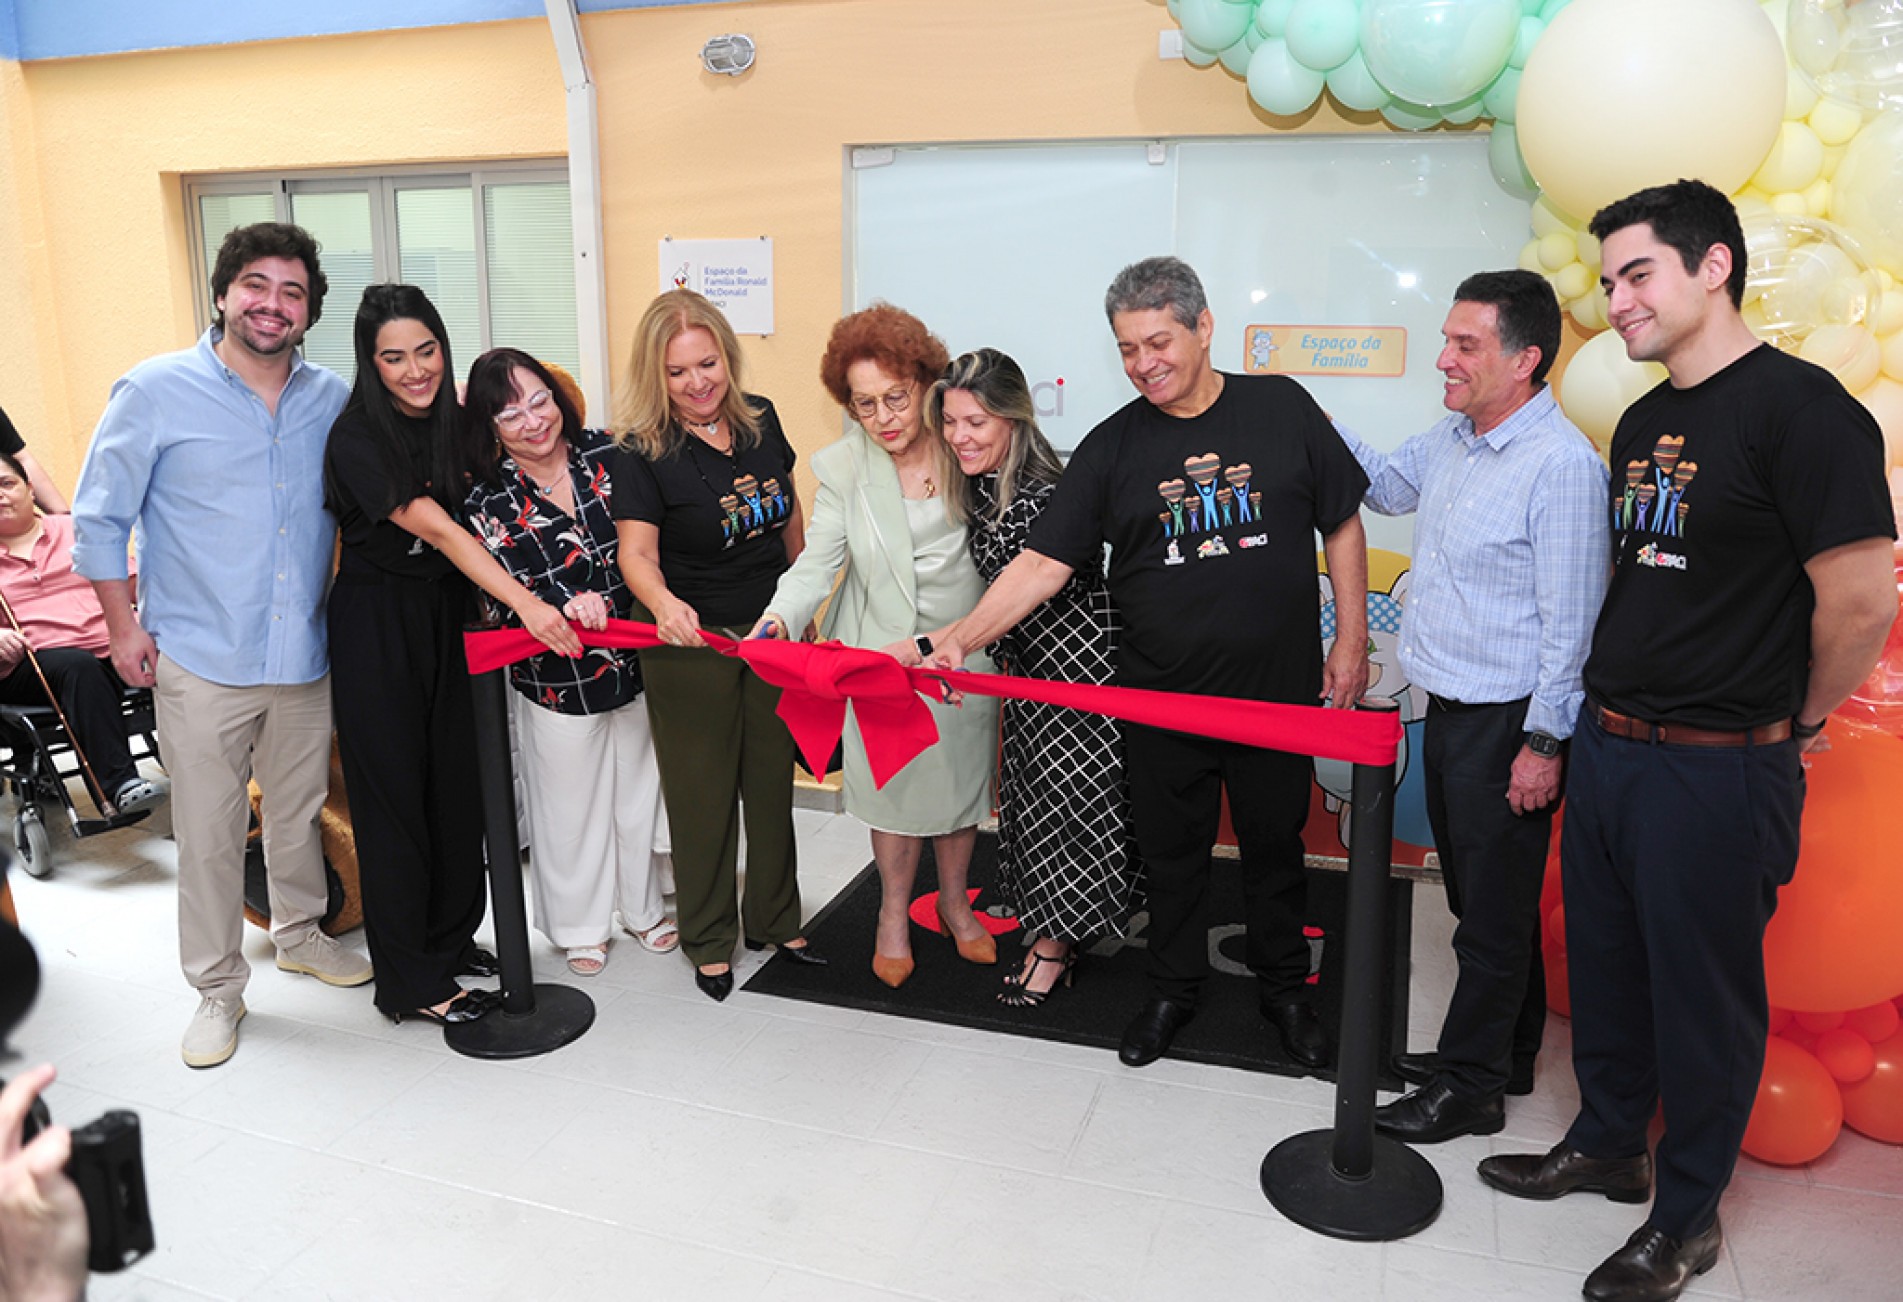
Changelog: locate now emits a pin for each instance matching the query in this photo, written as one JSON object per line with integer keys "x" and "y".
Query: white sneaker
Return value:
{"x": 319, "y": 956}
{"x": 213, "y": 1035}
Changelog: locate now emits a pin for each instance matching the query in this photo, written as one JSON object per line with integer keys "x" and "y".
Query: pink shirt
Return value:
{"x": 55, "y": 606}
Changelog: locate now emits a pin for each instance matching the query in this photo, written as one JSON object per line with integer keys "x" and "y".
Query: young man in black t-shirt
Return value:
{"x": 1209, "y": 490}
{"x": 1752, "y": 589}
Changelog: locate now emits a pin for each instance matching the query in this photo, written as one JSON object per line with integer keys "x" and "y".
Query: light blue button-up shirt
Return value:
{"x": 1511, "y": 557}
{"x": 234, "y": 542}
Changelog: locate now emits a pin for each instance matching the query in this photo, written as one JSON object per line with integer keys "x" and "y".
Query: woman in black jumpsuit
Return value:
{"x": 399, "y": 682}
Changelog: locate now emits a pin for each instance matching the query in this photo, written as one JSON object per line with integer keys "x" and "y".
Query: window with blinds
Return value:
{"x": 492, "y": 247}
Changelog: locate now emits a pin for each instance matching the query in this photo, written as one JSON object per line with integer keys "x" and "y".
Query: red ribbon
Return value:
{"x": 817, "y": 680}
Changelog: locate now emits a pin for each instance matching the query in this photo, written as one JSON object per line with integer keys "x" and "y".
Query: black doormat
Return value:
{"x": 1111, "y": 980}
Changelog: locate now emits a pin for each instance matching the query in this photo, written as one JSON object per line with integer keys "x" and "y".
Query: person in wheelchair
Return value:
{"x": 51, "y": 612}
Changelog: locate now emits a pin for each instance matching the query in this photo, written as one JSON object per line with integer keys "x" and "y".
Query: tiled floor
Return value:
{"x": 764, "y": 1149}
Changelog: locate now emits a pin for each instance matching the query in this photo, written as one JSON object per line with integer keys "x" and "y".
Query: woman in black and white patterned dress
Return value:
{"x": 1066, "y": 856}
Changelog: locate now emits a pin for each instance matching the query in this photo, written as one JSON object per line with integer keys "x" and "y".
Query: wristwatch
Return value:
{"x": 1543, "y": 744}
{"x": 922, "y": 644}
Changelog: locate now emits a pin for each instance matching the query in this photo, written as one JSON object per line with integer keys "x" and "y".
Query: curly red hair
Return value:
{"x": 890, "y": 336}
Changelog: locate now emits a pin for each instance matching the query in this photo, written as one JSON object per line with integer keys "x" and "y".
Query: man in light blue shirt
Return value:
{"x": 1511, "y": 553}
{"x": 215, "y": 456}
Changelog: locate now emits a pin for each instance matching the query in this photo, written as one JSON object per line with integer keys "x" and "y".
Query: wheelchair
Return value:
{"x": 37, "y": 760}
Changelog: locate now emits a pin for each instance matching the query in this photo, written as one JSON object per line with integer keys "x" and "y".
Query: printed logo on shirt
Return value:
{"x": 752, "y": 507}
{"x": 1653, "y": 558}
{"x": 1253, "y": 540}
{"x": 1650, "y": 496}
{"x": 1210, "y": 497}
{"x": 1211, "y": 546}
{"x": 1172, "y": 555}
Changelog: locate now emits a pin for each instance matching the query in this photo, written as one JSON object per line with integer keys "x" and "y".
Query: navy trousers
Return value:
{"x": 1673, "y": 856}
{"x": 1493, "y": 862}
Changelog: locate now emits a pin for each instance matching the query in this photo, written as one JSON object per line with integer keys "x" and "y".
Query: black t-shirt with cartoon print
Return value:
{"x": 720, "y": 519}
{"x": 1211, "y": 523}
{"x": 1720, "y": 494}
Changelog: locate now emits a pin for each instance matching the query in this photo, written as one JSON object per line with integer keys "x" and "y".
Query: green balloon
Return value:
{"x": 1509, "y": 169}
{"x": 1503, "y": 96}
{"x": 1321, "y": 34}
{"x": 1461, "y": 112}
{"x": 1551, "y": 7}
{"x": 1197, "y": 56}
{"x": 1278, "y": 83}
{"x": 1213, "y": 24}
{"x": 1531, "y": 29}
{"x": 1271, "y": 16}
{"x": 1438, "y": 52}
{"x": 1236, "y": 57}
{"x": 1410, "y": 117}
{"x": 1356, "y": 87}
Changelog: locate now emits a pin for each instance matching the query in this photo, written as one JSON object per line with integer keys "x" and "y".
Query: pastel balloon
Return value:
{"x": 1867, "y": 191}
{"x": 1321, "y": 34}
{"x": 1509, "y": 169}
{"x": 1804, "y": 274}
{"x": 1355, "y": 86}
{"x": 1278, "y": 83}
{"x": 1436, "y": 52}
{"x": 1799, "y": 1109}
{"x": 1236, "y": 58}
{"x": 1851, "y": 52}
{"x": 1832, "y": 943}
{"x": 1214, "y": 24}
{"x": 1848, "y": 352}
{"x": 1600, "y": 383}
{"x": 1613, "y": 101}
{"x": 1408, "y": 116}
{"x": 1796, "y": 159}
{"x": 1873, "y": 1106}
{"x": 1502, "y": 95}
{"x": 1271, "y": 16}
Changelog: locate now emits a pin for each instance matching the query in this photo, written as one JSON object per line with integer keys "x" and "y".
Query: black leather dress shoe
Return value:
{"x": 1301, "y": 1030}
{"x": 1653, "y": 1266}
{"x": 1148, "y": 1035}
{"x": 479, "y": 962}
{"x": 1421, "y": 1068}
{"x": 1564, "y": 1169}
{"x": 715, "y": 985}
{"x": 1433, "y": 1113}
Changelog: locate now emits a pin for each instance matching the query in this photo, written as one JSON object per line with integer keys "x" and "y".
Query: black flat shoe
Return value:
{"x": 1434, "y": 1114}
{"x": 470, "y": 1006}
{"x": 1301, "y": 1030}
{"x": 479, "y": 962}
{"x": 1148, "y": 1036}
{"x": 804, "y": 955}
{"x": 715, "y": 985}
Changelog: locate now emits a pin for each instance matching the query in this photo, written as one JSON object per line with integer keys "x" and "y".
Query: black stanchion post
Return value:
{"x": 533, "y": 1018}
{"x": 1349, "y": 1182}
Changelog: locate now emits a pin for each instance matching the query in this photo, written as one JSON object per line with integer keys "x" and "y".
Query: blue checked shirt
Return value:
{"x": 228, "y": 499}
{"x": 1511, "y": 557}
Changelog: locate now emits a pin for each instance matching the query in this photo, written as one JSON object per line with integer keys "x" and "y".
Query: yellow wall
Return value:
{"x": 94, "y": 147}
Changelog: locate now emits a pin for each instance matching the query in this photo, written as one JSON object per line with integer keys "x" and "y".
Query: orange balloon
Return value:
{"x": 1556, "y": 928}
{"x": 1833, "y": 943}
{"x": 1876, "y": 1023}
{"x": 1846, "y": 1055}
{"x": 1818, "y": 1023}
{"x": 1559, "y": 995}
{"x": 1799, "y": 1108}
{"x": 1878, "y": 700}
{"x": 1874, "y": 1105}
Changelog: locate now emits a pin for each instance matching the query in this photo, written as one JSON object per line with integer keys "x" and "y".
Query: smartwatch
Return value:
{"x": 922, "y": 644}
{"x": 1543, "y": 744}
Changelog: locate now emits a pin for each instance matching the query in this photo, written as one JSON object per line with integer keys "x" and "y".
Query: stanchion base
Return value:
{"x": 1401, "y": 1196}
{"x": 561, "y": 1014}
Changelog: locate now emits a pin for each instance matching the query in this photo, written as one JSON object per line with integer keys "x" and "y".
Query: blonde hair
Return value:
{"x": 644, "y": 415}
{"x": 997, "y": 382}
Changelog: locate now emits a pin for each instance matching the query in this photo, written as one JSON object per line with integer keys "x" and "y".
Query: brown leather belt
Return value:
{"x": 1678, "y": 734}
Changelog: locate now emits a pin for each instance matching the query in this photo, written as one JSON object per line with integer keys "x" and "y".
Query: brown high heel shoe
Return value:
{"x": 895, "y": 972}
{"x": 982, "y": 951}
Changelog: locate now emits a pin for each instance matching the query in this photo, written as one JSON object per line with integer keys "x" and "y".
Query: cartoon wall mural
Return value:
{"x": 1385, "y": 679}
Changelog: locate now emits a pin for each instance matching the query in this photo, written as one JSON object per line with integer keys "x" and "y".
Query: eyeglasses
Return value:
{"x": 895, "y": 402}
{"x": 512, "y": 419}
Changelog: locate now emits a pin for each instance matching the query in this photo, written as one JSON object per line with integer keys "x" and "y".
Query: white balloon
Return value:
{"x": 1600, "y": 382}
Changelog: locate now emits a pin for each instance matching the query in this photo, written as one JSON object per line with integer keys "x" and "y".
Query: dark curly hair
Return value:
{"x": 247, "y": 244}
{"x": 890, "y": 336}
{"x": 1688, "y": 217}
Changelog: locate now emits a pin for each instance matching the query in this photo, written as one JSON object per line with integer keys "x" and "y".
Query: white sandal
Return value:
{"x": 588, "y": 960}
{"x": 662, "y": 938}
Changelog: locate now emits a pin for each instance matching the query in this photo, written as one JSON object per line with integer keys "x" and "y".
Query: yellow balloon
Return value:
{"x": 1885, "y": 401}
{"x": 1834, "y": 122}
{"x": 1886, "y": 317}
{"x": 1574, "y": 280}
{"x": 1548, "y": 220}
{"x": 1848, "y": 352}
{"x": 1530, "y": 257}
{"x": 1800, "y": 96}
{"x": 1817, "y": 198}
{"x": 1869, "y": 188}
{"x": 1890, "y": 349}
{"x": 1600, "y": 383}
{"x": 1794, "y": 161}
{"x": 1556, "y": 250}
{"x": 1790, "y": 204}
{"x": 1623, "y": 94}
{"x": 1590, "y": 311}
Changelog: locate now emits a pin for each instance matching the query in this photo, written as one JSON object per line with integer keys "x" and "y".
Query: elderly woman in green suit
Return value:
{"x": 880, "y": 517}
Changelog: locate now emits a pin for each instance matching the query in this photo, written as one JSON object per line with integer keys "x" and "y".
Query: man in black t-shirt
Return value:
{"x": 1215, "y": 600}
{"x": 1752, "y": 589}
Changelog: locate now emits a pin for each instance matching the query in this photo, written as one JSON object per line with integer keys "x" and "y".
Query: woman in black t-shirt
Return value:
{"x": 393, "y": 477}
{"x": 707, "y": 522}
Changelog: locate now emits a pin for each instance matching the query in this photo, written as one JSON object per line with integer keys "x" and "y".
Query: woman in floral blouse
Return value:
{"x": 540, "y": 505}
